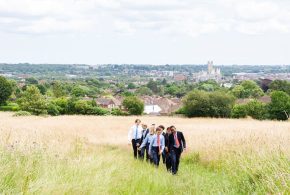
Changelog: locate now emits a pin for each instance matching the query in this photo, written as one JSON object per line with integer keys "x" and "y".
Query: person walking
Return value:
{"x": 166, "y": 150}
{"x": 157, "y": 146}
{"x": 144, "y": 132}
{"x": 146, "y": 143}
{"x": 134, "y": 136}
{"x": 176, "y": 146}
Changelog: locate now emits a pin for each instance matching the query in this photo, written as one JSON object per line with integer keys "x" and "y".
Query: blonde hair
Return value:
{"x": 151, "y": 130}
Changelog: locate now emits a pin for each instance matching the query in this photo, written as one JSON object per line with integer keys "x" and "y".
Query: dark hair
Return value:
{"x": 162, "y": 127}
{"x": 172, "y": 126}
{"x": 137, "y": 120}
{"x": 158, "y": 129}
{"x": 168, "y": 128}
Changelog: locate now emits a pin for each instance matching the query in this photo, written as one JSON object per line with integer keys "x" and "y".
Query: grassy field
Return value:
{"x": 90, "y": 155}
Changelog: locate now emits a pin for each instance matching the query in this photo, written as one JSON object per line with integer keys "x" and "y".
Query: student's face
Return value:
{"x": 173, "y": 130}
{"x": 168, "y": 131}
{"x": 144, "y": 126}
{"x": 158, "y": 132}
{"x": 138, "y": 122}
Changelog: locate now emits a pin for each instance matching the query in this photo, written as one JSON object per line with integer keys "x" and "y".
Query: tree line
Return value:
{"x": 204, "y": 99}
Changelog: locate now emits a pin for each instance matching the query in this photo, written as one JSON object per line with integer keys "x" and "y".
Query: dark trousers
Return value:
{"x": 155, "y": 155}
{"x": 163, "y": 156}
{"x": 137, "y": 153}
{"x": 175, "y": 157}
{"x": 145, "y": 151}
{"x": 168, "y": 161}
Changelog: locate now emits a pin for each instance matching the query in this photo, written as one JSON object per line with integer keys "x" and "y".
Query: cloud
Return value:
{"x": 172, "y": 17}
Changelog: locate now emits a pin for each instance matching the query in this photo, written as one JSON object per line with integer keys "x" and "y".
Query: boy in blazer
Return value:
{"x": 176, "y": 146}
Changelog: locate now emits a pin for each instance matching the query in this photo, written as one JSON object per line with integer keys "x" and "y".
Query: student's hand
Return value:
{"x": 160, "y": 152}
{"x": 137, "y": 145}
{"x": 166, "y": 149}
{"x": 139, "y": 149}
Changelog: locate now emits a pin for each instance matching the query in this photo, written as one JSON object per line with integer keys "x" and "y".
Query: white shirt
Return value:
{"x": 135, "y": 132}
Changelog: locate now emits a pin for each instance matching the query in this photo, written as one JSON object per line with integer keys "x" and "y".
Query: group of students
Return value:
{"x": 154, "y": 143}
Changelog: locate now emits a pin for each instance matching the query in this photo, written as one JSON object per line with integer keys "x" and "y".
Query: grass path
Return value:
{"x": 91, "y": 169}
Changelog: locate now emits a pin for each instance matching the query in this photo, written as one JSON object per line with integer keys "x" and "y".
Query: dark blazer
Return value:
{"x": 166, "y": 136}
{"x": 143, "y": 137}
{"x": 180, "y": 138}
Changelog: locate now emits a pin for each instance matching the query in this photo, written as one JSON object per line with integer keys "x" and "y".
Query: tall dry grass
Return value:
{"x": 90, "y": 155}
{"x": 209, "y": 136}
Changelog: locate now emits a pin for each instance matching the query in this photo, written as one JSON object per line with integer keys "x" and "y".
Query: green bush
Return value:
{"x": 10, "y": 107}
{"x": 239, "y": 111}
{"x": 257, "y": 110}
{"x": 5, "y": 90}
{"x": 118, "y": 112}
{"x": 134, "y": 105}
{"x": 97, "y": 111}
{"x": 53, "y": 109}
{"x": 62, "y": 105}
{"x": 22, "y": 113}
{"x": 279, "y": 108}
{"x": 33, "y": 101}
{"x": 207, "y": 104}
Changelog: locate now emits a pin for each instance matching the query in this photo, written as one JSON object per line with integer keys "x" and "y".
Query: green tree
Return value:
{"x": 207, "y": 104}
{"x": 31, "y": 81}
{"x": 257, "y": 110}
{"x": 41, "y": 88}
{"x": 144, "y": 91}
{"x": 131, "y": 86}
{"x": 239, "y": 111}
{"x": 78, "y": 91}
{"x": 196, "y": 104}
{"x": 221, "y": 104}
{"x": 153, "y": 85}
{"x": 134, "y": 105}
{"x": 58, "y": 89}
{"x": 238, "y": 91}
{"x": 33, "y": 101}
{"x": 279, "y": 108}
{"x": 5, "y": 90}
{"x": 247, "y": 89}
{"x": 280, "y": 85}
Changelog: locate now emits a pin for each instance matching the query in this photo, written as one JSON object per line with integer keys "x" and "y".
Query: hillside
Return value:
{"x": 89, "y": 154}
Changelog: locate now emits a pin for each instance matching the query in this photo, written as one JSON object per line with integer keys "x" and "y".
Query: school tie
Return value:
{"x": 158, "y": 141}
{"x": 136, "y": 133}
{"x": 176, "y": 140}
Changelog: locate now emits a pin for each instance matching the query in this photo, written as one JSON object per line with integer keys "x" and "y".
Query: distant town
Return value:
{"x": 160, "y": 87}
{"x": 224, "y": 74}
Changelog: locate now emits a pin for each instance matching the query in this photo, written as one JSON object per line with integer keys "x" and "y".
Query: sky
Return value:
{"x": 145, "y": 31}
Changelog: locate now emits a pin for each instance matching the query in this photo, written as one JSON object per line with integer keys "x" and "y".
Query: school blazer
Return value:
{"x": 180, "y": 138}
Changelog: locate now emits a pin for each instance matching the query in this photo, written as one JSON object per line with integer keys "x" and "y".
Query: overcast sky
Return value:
{"x": 145, "y": 31}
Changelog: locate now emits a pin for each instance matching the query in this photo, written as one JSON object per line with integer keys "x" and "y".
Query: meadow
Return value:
{"x": 91, "y": 155}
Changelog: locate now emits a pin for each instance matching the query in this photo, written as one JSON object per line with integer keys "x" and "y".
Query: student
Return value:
{"x": 176, "y": 145}
{"x": 166, "y": 150}
{"x": 156, "y": 146}
{"x": 163, "y": 153}
{"x": 134, "y": 136}
{"x": 146, "y": 142}
{"x": 145, "y": 132}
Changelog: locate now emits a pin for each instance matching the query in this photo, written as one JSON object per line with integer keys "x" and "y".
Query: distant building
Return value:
{"x": 160, "y": 105}
{"x": 212, "y": 73}
{"x": 152, "y": 109}
{"x": 108, "y": 103}
{"x": 180, "y": 77}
